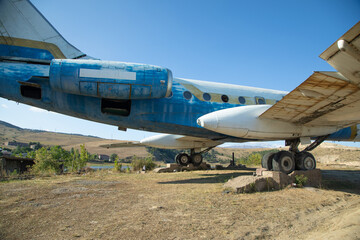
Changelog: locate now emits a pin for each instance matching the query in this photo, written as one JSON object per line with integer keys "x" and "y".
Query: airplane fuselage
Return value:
{"x": 174, "y": 114}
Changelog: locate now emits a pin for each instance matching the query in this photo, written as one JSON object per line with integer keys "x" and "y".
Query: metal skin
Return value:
{"x": 137, "y": 96}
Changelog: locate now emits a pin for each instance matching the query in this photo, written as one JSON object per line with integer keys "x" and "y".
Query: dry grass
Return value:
{"x": 188, "y": 205}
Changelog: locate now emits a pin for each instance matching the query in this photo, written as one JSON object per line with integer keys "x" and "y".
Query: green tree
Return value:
{"x": 113, "y": 157}
{"x": 77, "y": 159}
{"x": 45, "y": 162}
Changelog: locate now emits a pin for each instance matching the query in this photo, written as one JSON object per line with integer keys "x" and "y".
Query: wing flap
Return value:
{"x": 325, "y": 98}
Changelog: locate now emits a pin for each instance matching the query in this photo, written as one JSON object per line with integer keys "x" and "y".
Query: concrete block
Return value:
{"x": 259, "y": 171}
{"x": 271, "y": 180}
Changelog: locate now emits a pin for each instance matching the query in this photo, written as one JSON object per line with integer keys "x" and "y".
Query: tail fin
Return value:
{"x": 26, "y": 34}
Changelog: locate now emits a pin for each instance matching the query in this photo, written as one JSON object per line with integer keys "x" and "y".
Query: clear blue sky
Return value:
{"x": 269, "y": 44}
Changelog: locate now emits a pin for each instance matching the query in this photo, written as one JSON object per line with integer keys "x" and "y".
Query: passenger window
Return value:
{"x": 260, "y": 100}
{"x": 224, "y": 98}
{"x": 242, "y": 100}
{"x": 187, "y": 95}
{"x": 206, "y": 97}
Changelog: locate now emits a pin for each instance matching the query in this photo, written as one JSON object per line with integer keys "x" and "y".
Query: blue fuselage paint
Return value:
{"x": 174, "y": 114}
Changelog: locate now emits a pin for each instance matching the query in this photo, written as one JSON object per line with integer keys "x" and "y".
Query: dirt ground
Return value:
{"x": 186, "y": 205}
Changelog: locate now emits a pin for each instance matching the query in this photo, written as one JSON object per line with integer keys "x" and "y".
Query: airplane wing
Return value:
{"x": 27, "y": 34}
{"x": 123, "y": 144}
{"x": 327, "y": 98}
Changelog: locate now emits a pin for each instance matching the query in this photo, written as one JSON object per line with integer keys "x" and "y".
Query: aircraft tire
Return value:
{"x": 197, "y": 159}
{"x": 283, "y": 161}
{"x": 305, "y": 161}
{"x": 177, "y": 158}
{"x": 266, "y": 161}
{"x": 184, "y": 159}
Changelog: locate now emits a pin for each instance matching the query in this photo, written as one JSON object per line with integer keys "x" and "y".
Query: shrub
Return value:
{"x": 117, "y": 166}
{"x": 300, "y": 180}
{"x": 138, "y": 163}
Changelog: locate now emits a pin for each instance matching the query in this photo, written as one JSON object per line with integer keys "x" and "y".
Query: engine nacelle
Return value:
{"x": 106, "y": 79}
{"x": 244, "y": 122}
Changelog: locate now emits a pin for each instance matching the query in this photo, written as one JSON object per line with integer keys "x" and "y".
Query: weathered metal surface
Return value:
{"x": 344, "y": 54}
{"x": 324, "y": 98}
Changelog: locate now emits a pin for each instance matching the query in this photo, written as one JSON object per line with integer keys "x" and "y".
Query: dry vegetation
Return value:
{"x": 188, "y": 205}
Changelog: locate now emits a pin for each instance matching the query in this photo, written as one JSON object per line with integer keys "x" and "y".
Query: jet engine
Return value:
{"x": 112, "y": 80}
{"x": 244, "y": 122}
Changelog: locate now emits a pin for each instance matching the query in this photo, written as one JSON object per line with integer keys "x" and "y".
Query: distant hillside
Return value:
{"x": 9, "y": 132}
{"x": 327, "y": 153}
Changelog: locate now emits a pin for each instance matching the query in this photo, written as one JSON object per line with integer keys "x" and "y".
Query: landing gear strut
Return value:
{"x": 288, "y": 161}
{"x": 194, "y": 158}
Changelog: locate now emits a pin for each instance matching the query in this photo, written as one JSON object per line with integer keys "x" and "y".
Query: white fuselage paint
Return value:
{"x": 170, "y": 141}
{"x": 244, "y": 122}
{"x": 107, "y": 74}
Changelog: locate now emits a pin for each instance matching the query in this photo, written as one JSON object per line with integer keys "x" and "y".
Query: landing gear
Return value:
{"x": 288, "y": 161}
{"x": 197, "y": 159}
{"x": 305, "y": 161}
{"x": 183, "y": 159}
{"x": 284, "y": 161}
{"x": 266, "y": 161}
{"x": 194, "y": 158}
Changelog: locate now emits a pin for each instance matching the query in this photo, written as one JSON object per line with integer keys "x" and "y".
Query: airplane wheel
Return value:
{"x": 177, "y": 158}
{"x": 266, "y": 161}
{"x": 184, "y": 159}
{"x": 305, "y": 161}
{"x": 197, "y": 159}
{"x": 283, "y": 161}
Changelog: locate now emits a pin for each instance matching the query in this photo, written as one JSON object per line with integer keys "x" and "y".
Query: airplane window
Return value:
{"x": 242, "y": 100}
{"x": 224, "y": 98}
{"x": 187, "y": 95}
{"x": 260, "y": 100}
{"x": 206, "y": 97}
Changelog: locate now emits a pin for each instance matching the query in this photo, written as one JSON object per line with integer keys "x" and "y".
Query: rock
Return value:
{"x": 270, "y": 180}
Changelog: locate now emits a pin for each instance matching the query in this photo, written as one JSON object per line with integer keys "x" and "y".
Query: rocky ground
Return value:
{"x": 184, "y": 205}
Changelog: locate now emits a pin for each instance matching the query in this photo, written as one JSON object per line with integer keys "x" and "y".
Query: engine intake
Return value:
{"x": 112, "y": 80}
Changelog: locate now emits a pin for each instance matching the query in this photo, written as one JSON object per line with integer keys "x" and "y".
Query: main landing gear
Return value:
{"x": 288, "y": 161}
{"x": 195, "y": 158}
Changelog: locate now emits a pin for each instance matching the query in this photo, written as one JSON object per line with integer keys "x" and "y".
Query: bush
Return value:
{"x": 300, "y": 180}
{"x": 138, "y": 164}
{"x": 117, "y": 166}
{"x": 46, "y": 161}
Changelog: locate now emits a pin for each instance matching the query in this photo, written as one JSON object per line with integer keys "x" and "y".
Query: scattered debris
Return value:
{"x": 230, "y": 167}
{"x": 173, "y": 167}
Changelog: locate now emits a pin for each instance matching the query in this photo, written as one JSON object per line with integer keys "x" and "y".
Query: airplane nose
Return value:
{"x": 208, "y": 121}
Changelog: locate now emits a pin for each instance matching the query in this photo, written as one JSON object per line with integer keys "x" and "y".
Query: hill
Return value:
{"x": 326, "y": 154}
{"x": 9, "y": 132}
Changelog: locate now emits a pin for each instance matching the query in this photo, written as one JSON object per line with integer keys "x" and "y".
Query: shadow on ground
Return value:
{"x": 341, "y": 180}
{"x": 209, "y": 178}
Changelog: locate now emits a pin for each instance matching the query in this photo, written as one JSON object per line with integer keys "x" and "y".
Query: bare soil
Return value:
{"x": 186, "y": 205}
